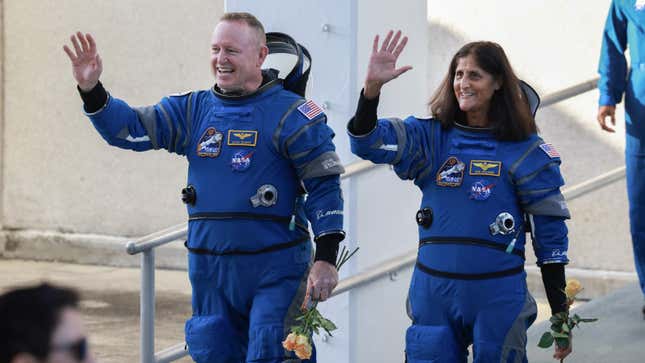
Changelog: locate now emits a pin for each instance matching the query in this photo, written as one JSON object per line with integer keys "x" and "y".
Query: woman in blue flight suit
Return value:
{"x": 487, "y": 179}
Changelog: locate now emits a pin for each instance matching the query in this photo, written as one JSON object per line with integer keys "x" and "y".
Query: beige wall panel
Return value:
{"x": 58, "y": 173}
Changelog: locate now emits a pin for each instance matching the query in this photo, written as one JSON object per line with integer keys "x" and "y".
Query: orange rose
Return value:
{"x": 299, "y": 344}
{"x": 303, "y": 351}
{"x": 301, "y": 340}
{"x": 290, "y": 343}
{"x": 573, "y": 288}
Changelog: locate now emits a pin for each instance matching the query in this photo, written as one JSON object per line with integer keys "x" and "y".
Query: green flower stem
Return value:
{"x": 311, "y": 321}
{"x": 560, "y": 333}
{"x": 343, "y": 256}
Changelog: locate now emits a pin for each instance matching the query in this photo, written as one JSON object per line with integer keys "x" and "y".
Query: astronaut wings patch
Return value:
{"x": 242, "y": 138}
{"x": 485, "y": 167}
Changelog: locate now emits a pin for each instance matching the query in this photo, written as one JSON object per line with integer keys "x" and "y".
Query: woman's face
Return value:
{"x": 473, "y": 86}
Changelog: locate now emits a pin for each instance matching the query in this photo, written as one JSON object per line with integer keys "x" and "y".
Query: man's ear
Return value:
{"x": 264, "y": 51}
{"x": 24, "y": 358}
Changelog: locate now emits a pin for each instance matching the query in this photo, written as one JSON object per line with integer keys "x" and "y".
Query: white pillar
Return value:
{"x": 339, "y": 34}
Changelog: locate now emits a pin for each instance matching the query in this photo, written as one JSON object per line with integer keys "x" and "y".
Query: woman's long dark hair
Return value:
{"x": 509, "y": 114}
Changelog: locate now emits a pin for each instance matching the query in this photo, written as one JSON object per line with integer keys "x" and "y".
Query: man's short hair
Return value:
{"x": 28, "y": 318}
{"x": 248, "y": 19}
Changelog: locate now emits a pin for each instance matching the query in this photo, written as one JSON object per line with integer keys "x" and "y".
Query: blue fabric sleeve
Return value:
{"x": 162, "y": 126}
{"x": 308, "y": 144}
{"x": 537, "y": 180}
{"x": 613, "y": 65}
{"x": 550, "y": 241}
{"x": 324, "y": 205}
{"x": 407, "y": 145}
{"x": 537, "y": 174}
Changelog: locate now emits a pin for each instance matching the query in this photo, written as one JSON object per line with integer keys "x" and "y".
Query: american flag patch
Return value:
{"x": 550, "y": 150}
{"x": 310, "y": 109}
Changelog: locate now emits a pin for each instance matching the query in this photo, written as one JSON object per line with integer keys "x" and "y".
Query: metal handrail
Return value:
{"x": 592, "y": 184}
{"x": 157, "y": 239}
{"x": 171, "y": 354}
{"x": 147, "y": 244}
{"x": 384, "y": 268}
{"x": 358, "y": 167}
{"x": 569, "y": 92}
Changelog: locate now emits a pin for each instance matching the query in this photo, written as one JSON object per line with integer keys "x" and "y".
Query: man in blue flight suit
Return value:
{"x": 254, "y": 150}
{"x": 625, "y": 26}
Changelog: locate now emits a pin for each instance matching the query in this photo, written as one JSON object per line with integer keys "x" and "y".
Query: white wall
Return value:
{"x": 58, "y": 174}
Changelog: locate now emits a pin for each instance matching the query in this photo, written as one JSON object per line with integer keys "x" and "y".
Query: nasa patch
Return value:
{"x": 210, "y": 144}
{"x": 480, "y": 190}
{"x": 451, "y": 173}
{"x": 241, "y": 160}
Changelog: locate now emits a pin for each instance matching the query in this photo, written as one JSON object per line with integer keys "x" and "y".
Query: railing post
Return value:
{"x": 147, "y": 306}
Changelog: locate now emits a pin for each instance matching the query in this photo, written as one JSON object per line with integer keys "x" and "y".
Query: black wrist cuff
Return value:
{"x": 554, "y": 284}
{"x": 93, "y": 99}
{"x": 365, "y": 118}
{"x": 327, "y": 247}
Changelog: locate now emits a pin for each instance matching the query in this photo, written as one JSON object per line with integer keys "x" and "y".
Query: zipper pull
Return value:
{"x": 292, "y": 223}
{"x": 511, "y": 246}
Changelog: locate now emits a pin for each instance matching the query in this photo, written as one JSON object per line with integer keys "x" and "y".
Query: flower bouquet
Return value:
{"x": 311, "y": 321}
{"x": 562, "y": 323}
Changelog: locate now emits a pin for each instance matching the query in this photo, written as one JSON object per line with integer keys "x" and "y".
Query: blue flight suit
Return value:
{"x": 626, "y": 26}
{"x": 251, "y": 159}
{"x": 469, "y": 284}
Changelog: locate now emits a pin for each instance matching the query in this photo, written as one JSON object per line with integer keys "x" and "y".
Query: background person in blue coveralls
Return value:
{"x": 254, "y": 149}
{"x": 487, "y": 179}
{"x": 625, "y": 27}
{"x": 42, "y": 324}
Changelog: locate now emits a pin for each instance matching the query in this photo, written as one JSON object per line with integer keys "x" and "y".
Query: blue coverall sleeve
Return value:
{"x": 613, "y": 65}
{"x": 308, "y": 144}
{"x": 404, "y": 144}
{"x": 161, "y": 126}
{"x": 537, "y": 180}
